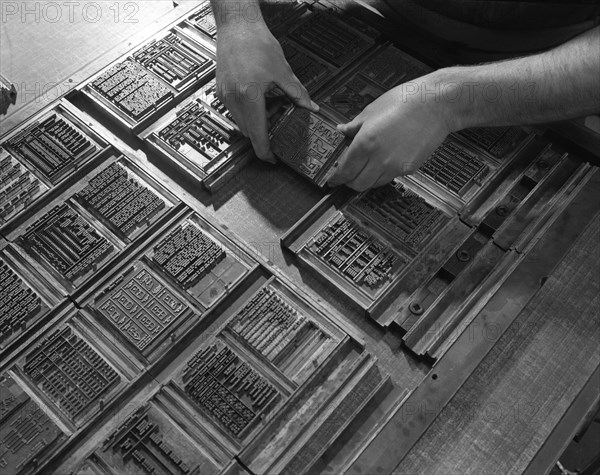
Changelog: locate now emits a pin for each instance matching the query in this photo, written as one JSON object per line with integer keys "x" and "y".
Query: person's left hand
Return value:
{"x": 392, "y": 136}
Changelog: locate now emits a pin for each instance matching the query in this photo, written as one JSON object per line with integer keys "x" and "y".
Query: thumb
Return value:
{"x": 351, "y": 128}
{"x": 298, "y": 94}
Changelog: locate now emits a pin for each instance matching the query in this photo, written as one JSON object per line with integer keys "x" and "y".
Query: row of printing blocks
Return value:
{"x": 44, "y": 153}
{"x": 141, "y": 86}
{"x": 237, "y": 353}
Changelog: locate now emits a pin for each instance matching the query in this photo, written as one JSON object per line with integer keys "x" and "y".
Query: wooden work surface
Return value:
{"x": 514, "y": 405}
{"x": 519, "y": 392}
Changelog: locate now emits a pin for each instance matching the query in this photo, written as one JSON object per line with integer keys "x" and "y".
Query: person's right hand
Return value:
{"x": 394, "y": 135}
{"x": 250, "y": 64}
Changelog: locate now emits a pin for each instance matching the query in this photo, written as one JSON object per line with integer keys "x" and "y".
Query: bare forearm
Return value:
{"x": 559, "y": 84}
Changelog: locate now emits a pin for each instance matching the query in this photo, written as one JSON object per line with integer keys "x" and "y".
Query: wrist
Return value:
{"x": 456, "y": 101}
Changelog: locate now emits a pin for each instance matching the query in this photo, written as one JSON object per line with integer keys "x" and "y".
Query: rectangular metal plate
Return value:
{"x": 308, "y": 143}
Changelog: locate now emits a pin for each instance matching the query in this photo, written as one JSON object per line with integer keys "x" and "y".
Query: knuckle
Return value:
{"x": 369, "y": 141}
{"x": 293, "y": 79}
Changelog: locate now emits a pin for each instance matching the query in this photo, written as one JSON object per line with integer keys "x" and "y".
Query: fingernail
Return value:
{"x": 315, "y": 106}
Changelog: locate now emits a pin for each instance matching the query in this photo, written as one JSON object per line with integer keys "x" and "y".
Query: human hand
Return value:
{"x": 392, "y": 136}
{"x": 250, "y": 65}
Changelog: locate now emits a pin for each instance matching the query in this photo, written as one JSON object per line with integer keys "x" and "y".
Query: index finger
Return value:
{"x": 255, "y": 118}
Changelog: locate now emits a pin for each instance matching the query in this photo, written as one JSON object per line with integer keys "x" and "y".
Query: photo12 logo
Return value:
{"x": 42, "y": 92}
{"x": 71, "y": 12}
